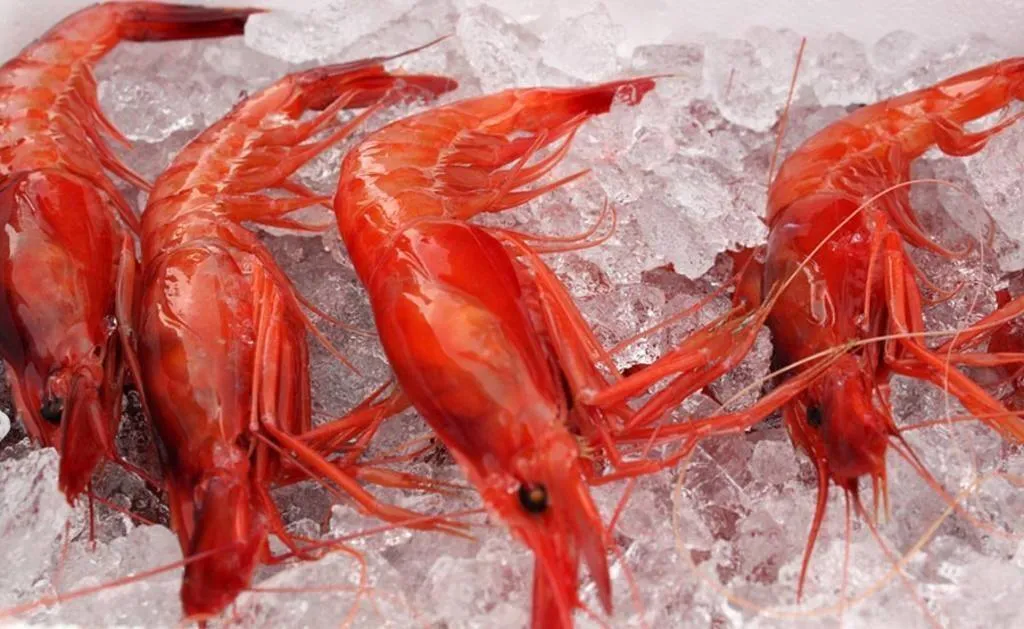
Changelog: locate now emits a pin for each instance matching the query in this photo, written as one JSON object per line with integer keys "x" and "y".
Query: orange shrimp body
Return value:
{"x": 222, "y": 333}
{"x": 65, "y": 259}
{"x": 466, "y": 324}
{"x": 834, "y": 270}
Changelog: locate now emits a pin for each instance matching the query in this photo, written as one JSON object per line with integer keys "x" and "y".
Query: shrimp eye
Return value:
{"x": 534, "y": 498}
{"x": 52, "y": 409}
{"x": 814, "y": 417}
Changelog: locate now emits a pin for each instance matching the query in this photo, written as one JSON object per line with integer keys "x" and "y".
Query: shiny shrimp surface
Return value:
{"x": 222, "y": 334}
{"x": 479, "y": 340}
{"x": 67, "y": 257}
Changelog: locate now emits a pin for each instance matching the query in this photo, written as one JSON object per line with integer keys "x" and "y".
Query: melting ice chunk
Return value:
{"x": 683, "y": 63}
{"x": 322, "y": 30}
{"x": 502, "y": 53}
{"x": 696, "y": 216}
{"x": 839, "y": 71}
{"x": 749, "y": 78}
{"x": 32, "y": 517}
{"x": 584, "y": 46}
{"x": 996, "y": 174}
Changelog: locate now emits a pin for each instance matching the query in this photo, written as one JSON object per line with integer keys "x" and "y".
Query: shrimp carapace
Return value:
{"x": 477, "y": 337}
{"x": 66, "y": 261}
{"x": 222, "y": 331}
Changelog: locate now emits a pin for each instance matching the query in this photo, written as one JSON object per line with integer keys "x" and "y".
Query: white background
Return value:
{"x": 867, "y": 20}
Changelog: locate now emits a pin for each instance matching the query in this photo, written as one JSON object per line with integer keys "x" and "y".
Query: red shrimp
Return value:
{"x": 835, "y": 272}
{"x": 67, "y": 263}
{"x": 480, "y": 339}
{"x": 222, "y": 335}
{"x": 834, "y": 275}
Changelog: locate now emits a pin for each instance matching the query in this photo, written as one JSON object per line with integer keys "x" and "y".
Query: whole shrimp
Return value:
{"x": 222, "y": 334}
{"x": 834, "y": 275}
{"x": 480, "y": 339}
{"x": 66, "y": 262}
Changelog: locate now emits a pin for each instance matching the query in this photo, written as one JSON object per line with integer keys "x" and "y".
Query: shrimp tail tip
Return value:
{"x": 432, "y": 85}
{"x": 153, "y": 21}
{"x": 630, "y": 91}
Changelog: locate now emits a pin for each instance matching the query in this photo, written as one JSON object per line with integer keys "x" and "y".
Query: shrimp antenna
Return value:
{"x": 412, "y": 51}
{"x": 362, "y": 588}
{"x": 48, "y": 601}
{"x": 779, "y": 612}
{"x": 675, "y": 318}
{"x": 897, "y": 563}
{"x": 576, "y": 242}
{"x": 903, "y": 449}
{"x": 785, "y": 112}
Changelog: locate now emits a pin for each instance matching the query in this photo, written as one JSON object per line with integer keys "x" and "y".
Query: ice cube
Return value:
{"x": 425, "y": 22}
{"x": 170, "y": 113}
{"x": 521, "y": 12}
{"x": 333, "y": 590}
{"x": 683, "y": 62}
{"x": 152, "y": 601}
{"x": 584, "y": 46}
{"x": 487, "y": 588}
{"x": 503, "y": 54}
{"x": 995, "y": 174}
{"x": 33, "y": 513}
{"x": 749, "y": 78}
{"x": 743, "y": 385}
{"x": 696, "y": 216}
{"x": 320, "y": 32}
{"x": 892, "y": 56}
{"x": 151, "y": 109}
{"x": 943, "y": 60}
{"x": 643, "y": 22}
{"x": 623, "y": 312}
{"x": 839, "y": 71}
{"x": 774, "y": 462}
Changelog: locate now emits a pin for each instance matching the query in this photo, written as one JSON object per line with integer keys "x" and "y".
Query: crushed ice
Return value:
{"x": 687, "y": 174}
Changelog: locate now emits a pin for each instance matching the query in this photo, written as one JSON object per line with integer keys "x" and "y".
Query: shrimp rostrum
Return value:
{"x": 67, "y": 258}
{"x": 484, "y": 345}
{"x": 222, "y": 333}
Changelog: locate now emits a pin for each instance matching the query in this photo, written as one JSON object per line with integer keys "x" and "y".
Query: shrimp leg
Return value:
{"x": 127, "y": 313}
{"x": 280, "y": 389}
{"x": 904, "y": 310}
